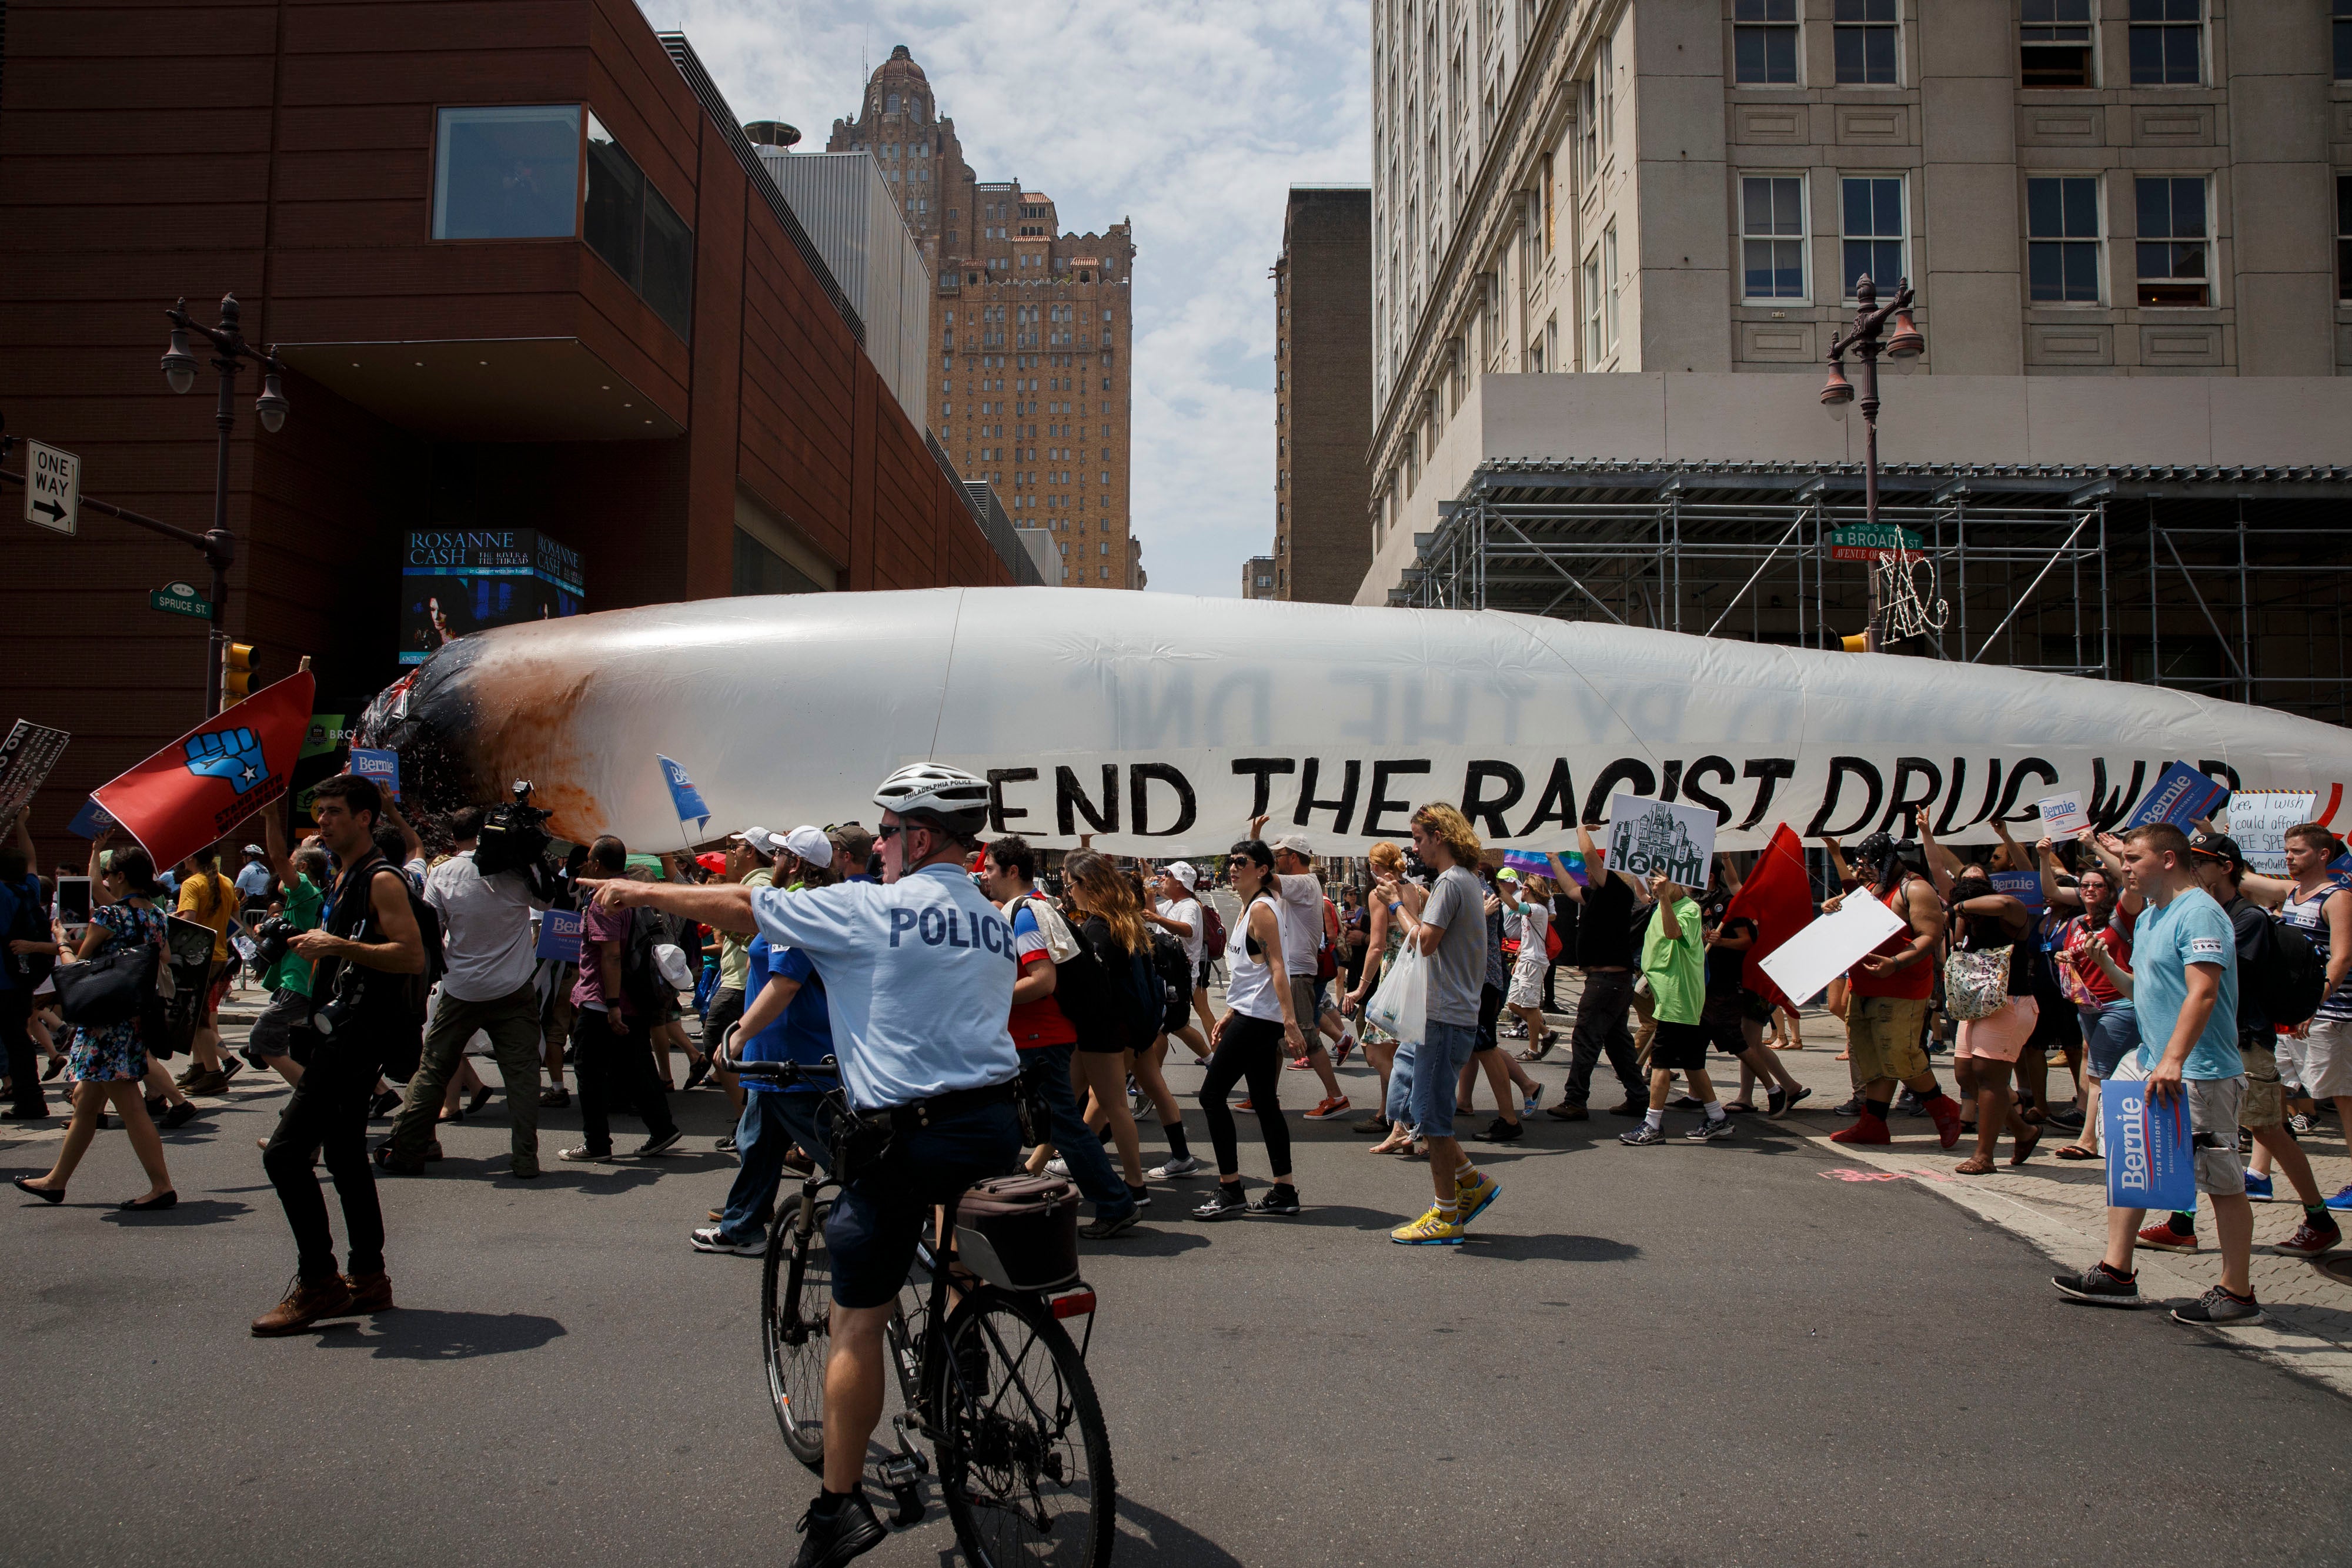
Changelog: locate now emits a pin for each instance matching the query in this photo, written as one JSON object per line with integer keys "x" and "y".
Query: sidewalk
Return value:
{"x": 2061, "y": 1208}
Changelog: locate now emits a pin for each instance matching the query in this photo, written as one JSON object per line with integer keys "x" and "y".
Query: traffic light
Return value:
{"x": 236, "y": 673}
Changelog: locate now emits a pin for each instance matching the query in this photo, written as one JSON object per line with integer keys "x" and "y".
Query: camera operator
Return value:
{"x": 368, "y": 948}
{"x": 493, "y": 958}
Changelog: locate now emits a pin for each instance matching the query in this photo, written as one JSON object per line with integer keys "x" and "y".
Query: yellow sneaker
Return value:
{"x": 1429, "y": 1230}
{"x": 1470, "y": 1199}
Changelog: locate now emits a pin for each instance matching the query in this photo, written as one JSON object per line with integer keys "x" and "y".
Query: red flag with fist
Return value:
{"x": 1779, "y": 897}
{"x": 216, "y": 775}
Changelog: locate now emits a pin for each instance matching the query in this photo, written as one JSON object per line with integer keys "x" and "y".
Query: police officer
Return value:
{"x": 918, "y": 971}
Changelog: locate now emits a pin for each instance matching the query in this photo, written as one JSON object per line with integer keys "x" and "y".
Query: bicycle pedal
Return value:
{"x": 899, "y": 1474}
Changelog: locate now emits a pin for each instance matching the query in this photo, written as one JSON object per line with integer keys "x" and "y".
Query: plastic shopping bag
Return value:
{"x": 1399, "y": 1008}
{"x": 2150, "y": 1161}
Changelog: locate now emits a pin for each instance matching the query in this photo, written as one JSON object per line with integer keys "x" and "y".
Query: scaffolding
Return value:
{"x": 2230, "y": 582}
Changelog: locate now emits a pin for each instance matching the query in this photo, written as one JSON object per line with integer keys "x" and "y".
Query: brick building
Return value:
{"x": 1031, "y": 330}
{"x": 528, "y": 274}
{"x": 1257, "y": 578}
{"x": 1323, "y": 393}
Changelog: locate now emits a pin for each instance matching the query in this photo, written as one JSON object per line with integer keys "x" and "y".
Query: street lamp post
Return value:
{"x": 230, "y": 350}
{"x": 1870, "y": 320}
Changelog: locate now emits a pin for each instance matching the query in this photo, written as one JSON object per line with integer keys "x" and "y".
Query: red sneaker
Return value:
{"x": 1299, "y": 1063}
{"x": 2310, "y": 1240}
{"x": 2165, "y": 1238}
{"x": 1866, "y": 1129}
{"x": 1947, "y": 1119}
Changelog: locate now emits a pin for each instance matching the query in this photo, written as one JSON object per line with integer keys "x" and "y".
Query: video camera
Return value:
{"x": 269, "y": 940}
{"x": 514, "y": 836}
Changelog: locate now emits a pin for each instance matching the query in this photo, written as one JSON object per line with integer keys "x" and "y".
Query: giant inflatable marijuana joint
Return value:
{"x": 1161, "y": 725}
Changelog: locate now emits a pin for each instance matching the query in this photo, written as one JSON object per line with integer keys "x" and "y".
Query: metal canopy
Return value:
{"x": 2225, "y": 581}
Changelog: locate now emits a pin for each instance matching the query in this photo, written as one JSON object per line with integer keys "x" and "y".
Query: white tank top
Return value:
{"x": 1249, "y": 986}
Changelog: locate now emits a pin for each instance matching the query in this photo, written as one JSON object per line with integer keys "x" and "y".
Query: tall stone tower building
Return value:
{"x": 1032, "y": 345}
{"x": 1323, "y": 393}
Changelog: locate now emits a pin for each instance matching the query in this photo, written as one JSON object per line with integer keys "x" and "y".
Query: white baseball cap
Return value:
{"x": 1295, "y": 842}
{"x": 1183, "y": 871}
{"x": 762, "y": 841}
{"x": 810, "y": 845}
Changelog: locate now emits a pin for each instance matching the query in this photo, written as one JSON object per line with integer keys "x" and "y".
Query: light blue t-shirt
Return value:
{"x": 2165, "y": 939}
{"x": 918, "y": 978}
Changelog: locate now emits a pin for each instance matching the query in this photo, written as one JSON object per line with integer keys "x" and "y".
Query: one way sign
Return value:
{"x": 52, "y": 487}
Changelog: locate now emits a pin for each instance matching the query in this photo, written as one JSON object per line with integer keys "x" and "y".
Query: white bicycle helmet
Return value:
{"x": 956, "y": 797}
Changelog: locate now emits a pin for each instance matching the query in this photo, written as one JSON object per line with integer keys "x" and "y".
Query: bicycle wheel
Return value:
{"x": 1025, "y": 1458}
{"x": 795, "y": 1321}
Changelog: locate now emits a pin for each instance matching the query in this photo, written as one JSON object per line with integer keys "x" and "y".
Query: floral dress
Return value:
{"x": 115, "y": 1054}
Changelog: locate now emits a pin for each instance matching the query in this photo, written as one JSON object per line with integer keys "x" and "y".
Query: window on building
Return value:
{"x": 2344, "y": 40}
{"x": 1592, "y": 310}
{"x": 758, "y": 569}
{"x": 512, "y": 172}
{"x": 1872, "y": 215}
{"x": 1865, "y": 36}
{"x": 1609, "y": 281}
{"x": 2053, "y": 43}
{"x": 2062, "y": 227}
{"x": 1550, "y": 343}
{"x": 2343, "y": 233}
{"x": 1589, "y": 120}
{"x": 1607, "y": 72}
{"x": 2167, "y": 43}
{"x": 1772, "y": 236}
{"x": 1764, "y": 42}
{"x": 638, "y": 233}
{"x": 2172, "y": 235}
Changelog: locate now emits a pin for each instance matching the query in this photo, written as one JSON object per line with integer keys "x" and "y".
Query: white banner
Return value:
{"x": 1161, "y": 725}
{"x": 2259, "y": 819}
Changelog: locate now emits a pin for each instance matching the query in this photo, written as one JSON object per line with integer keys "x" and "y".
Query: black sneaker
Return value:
{"x": 659, "y": 1143}
{"x": 1105, "y": 1227}
{"x": 1907, "y": 1104}
{"x": 1142, "y": 1195}
{"x": 1225, "y": 1203}
{"x": 1280, "y": 1198}
{"x": 834, "y": 1536}
{"x": 2217, "y": 1307}
{"x": 1776, "y": 1104}
{"x": 726, "y": 1145}
{"x": 2072, "y": 1119}
{"x": 179, "y": 1115}
{"x": 1851, "y": 1108}
{"x": 1501, "y": 1131}
{"x": 695, "y": 1075}
{"x": 2099, "y": 1288}
{"x": 1712, "y": 1132}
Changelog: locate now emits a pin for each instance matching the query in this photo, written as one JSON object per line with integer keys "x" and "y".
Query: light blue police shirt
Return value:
{"x": 919, "y": 977}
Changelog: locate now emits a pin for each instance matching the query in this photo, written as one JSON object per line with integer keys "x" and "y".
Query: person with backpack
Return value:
{"x": 1123, "y": 1014}
{"x": 614, "y": 1003}
{"x": 1044, "y": 1036}
{"x": 371, "y": 955}
{"x": 2315, "y": 1054}
{"x": 209, "y": 899}
{"x": 32, "y": 953}
{"x": 107, "y": 1060}
{"x": 491, "y": 959}
{"x": 2275, "y": 983}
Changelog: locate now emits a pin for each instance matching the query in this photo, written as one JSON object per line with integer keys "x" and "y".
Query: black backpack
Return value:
{"x": 1172, "y": 967}
{"x": 31, "y": 924}
{"x": 642, "y": 986}
{"x": 1118, "y": 993}
{"x": 2282, "y": 974}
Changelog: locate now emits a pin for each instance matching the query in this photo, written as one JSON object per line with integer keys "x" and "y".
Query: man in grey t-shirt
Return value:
{"x": 1451, "y": 937}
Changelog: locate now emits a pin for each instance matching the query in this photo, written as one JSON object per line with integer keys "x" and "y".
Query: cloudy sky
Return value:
{"x": 1192, "y": 120}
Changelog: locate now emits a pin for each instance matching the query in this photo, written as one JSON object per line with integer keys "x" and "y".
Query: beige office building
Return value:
{"x": 1614, "y": 240}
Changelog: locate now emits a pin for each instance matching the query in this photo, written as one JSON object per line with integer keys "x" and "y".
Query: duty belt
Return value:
{"x": 924, "y": 1114}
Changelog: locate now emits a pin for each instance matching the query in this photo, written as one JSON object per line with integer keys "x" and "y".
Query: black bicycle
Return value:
{"x": 986, "y": 1370}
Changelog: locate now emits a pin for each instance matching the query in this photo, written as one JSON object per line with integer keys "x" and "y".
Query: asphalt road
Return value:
{"x": 1682, "y": 1354}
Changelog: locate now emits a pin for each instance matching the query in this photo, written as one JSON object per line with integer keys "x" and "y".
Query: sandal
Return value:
{"x": 1975, "y": 1165}
{"x": 2077, "y": 1152}
{"x": 555, "y": 1096}
{"x": 1538, "y": 1051}
{"x": 2022, "y": 1149}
